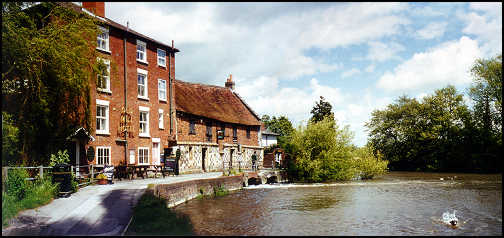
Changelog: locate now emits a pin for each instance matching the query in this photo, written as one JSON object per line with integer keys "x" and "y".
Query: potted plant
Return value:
{"x": 102, "y": 179}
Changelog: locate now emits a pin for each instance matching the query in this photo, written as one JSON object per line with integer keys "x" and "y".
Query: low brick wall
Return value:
{"x": 180, "y": 192}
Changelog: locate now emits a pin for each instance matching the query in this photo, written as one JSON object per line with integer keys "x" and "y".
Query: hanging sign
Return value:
{"x": 125, "y": 124}
{"x": 90, "y": 154}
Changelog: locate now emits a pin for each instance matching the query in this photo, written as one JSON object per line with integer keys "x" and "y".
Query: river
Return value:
{"x": 399, "y": 203}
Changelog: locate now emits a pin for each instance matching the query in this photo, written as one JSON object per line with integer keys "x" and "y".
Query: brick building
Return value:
{"x": 140, "y": 112}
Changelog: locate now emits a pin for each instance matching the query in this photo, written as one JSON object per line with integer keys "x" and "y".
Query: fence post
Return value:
{"x": 71, "y": 170}
{"x": 92, "y": 174}
{"x": 5, "y": 176}
{"x": 41, "y": 172}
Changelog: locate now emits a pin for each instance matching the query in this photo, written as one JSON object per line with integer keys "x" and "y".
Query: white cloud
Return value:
{"x": 448, "y": 63}
{"x": 257, "y": 43}
{"x": 379, "y": 51}
{"x": 485, "y": 22}
{"x": 351, "y": 72}
{"x": 431, "y": 31}
{"x": 370, "y": 68}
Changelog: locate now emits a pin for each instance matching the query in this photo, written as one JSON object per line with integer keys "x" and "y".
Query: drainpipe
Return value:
{"x": 170, "y": 91}
{"x": 125, "y": 96}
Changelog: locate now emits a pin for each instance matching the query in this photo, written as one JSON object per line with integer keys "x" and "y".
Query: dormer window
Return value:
{"x": 103, "y": 39}
{"x": 141, "y": 51}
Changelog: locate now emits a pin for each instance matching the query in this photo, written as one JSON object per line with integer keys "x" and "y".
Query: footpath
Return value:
{"x": 96, "y": 210}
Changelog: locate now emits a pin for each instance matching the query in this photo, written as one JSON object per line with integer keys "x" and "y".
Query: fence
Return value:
{"x": 73, "y": 169}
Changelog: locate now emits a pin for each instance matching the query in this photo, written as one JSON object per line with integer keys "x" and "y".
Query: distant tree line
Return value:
{"x": 440, "y": 132}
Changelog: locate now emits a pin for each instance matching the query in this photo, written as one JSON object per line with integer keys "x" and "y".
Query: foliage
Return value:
{"x": 10, "y": 140}
{"x": 101, "y": 176}
{"x": 322, "y": 152}
{"x": 437, "y": 133}
{"x": 321, "y": 110}
{"x": 61, "y": 157}
{"x": 220, "y": 191}
{"x": 74, "y": 183}
{"x": 166, "y": 221}
{"x": 280, "y": 125}
{"x": 35, "y": 194}
{"x": 486, "y": 92}
{"x": 368, "y": 164}
{"x": 48, "y": 58}
{"x": 16, "y": 183}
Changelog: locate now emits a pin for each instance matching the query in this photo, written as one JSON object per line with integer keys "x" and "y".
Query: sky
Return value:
{"x": 359, "y": 56}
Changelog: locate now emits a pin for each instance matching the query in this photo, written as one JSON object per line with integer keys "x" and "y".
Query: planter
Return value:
{"x": 102, "y": 182}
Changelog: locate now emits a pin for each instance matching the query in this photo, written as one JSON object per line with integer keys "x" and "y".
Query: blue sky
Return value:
{"x": 359, "y": 56}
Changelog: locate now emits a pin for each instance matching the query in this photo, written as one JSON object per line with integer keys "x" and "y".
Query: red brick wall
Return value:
{"x": 183, "y": 122}
{"x": 116, "y": 98}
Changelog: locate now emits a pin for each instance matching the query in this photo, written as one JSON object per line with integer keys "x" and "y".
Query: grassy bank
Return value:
{"x": 22, "y": 195}
{"x": 152, "y": 217}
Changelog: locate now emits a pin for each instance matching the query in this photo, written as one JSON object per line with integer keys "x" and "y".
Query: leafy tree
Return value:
{"x": 322, "y": 152}
{"x": 48, "y": 58}
{"x": 425, "y": 135}
{"x": 280, "y": 125}
{"x": 321, "y": 110}
{"x": 486, "y": 92}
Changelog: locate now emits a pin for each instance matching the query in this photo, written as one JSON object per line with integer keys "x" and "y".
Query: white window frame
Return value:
{"x": 161, "y": 58}
{"x": 161, "y": 89}
{"x": 146, "y": 85}
{"x": 98, "y": 148}
{"x": 107, "y": 89}
{"x": 144, "y": 59}
{"x": 144, "y": 110}
{"x": 140, "y": 158}
{"x": 161, "y": 118}
{"x": 107, "y": 40}
{"x": 105, "y": 104}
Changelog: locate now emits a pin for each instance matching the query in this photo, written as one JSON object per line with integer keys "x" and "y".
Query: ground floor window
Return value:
{"x": 143, "y": 155}
{"x": 103, "y": 155}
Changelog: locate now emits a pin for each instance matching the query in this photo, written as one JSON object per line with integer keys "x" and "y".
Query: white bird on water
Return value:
{"x": 450, "y": 218}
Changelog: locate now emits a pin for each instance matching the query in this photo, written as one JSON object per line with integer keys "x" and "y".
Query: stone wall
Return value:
{"x": 180, "y": 192}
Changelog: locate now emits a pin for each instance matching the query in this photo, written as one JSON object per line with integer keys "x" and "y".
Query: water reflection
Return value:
{"x": 395, "y": 204}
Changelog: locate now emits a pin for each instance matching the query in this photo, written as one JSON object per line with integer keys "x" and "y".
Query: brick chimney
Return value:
{"x": 229, "y": 83}
{"x": 97, "y": 8}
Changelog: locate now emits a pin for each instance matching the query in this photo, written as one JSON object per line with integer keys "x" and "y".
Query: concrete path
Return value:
{"x": 93, "y": 210}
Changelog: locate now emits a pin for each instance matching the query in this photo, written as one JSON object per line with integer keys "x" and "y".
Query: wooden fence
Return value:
{"x": 92, "y": 169}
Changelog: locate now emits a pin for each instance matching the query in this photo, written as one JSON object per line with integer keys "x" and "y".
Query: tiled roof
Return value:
{"x": 213, "y": 102}
{"x": 116, "y": 25}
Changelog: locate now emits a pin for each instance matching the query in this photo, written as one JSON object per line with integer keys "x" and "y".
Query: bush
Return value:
{"x": 322, "y": 152}
{"x": 16, "y": 183}
{"x": 9, "y": 208}
{"x": 61, "y": 157}
{"x": 39, "y": 193}
{"x": 367, "y": 164}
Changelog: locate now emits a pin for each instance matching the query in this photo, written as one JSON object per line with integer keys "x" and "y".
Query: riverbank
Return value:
{"x": 93, "y": 210}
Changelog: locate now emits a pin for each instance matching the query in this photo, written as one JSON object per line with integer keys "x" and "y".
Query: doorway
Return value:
{"x": 231, "y": 159}
{"x": 203, "y": 156}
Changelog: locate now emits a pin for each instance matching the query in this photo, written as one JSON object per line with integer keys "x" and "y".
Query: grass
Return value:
{"x": 38, "y": 193}
{"x": 165, "y": 221}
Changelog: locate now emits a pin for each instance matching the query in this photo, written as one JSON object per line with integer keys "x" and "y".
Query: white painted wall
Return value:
{"x": 268, "y": 140}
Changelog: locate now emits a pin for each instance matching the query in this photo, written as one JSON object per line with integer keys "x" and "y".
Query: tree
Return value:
{"x": 280, "y": 125}
{"x": 322, "y": 152}
{"x": 321, "y": 110}
{"x": 427, "y": 135}
{"x": 486, "y": 91}
{"x": 48, "y": 58}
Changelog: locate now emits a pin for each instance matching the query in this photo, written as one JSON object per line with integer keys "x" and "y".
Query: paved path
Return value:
{"x": 93, "y": 210}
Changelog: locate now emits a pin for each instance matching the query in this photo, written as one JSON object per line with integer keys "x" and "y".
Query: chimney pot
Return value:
{"x": 229, "y": 82}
